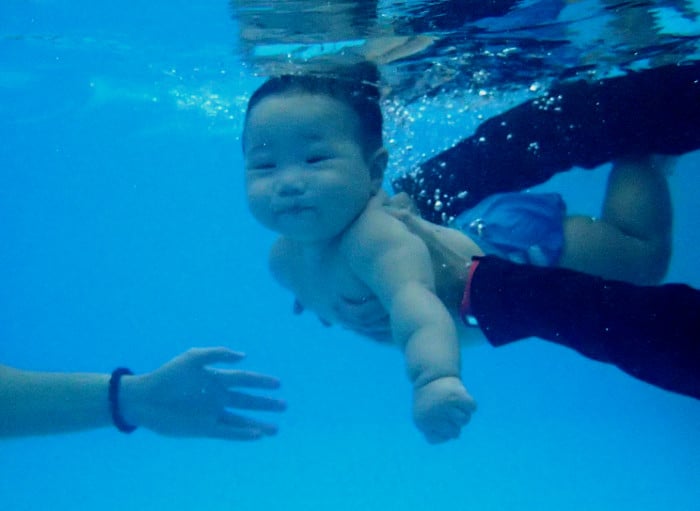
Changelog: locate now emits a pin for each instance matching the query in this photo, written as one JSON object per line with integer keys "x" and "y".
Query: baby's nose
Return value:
{"x": 290, "y": 183}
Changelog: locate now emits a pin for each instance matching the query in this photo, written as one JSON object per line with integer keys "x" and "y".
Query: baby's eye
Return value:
{"x": 262, "y": 166}
{"x": 317, "y": 158}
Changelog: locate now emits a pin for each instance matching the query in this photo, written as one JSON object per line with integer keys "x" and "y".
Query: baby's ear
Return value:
{"x": 377, "y": 165}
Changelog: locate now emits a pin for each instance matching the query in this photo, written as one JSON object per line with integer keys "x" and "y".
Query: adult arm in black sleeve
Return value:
{"x": 578, "y": 123}
{"x": 652, "y": 333}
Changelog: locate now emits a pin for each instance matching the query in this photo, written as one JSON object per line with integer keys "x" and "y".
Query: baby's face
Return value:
{"x": 306, "y": 174}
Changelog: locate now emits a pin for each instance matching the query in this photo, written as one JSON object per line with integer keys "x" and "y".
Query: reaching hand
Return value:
{"x": 184, "y": 397}
{"x": 441, "y": 407}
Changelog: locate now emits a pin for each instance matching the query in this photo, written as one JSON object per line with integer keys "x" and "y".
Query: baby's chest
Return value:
{"x": 326, "y": 286}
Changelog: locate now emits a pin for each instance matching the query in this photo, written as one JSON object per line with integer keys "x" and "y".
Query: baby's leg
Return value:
{"x": 631, "y": 240}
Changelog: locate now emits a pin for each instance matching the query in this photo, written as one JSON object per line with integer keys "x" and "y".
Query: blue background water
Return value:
{"x": 125, "y": 240}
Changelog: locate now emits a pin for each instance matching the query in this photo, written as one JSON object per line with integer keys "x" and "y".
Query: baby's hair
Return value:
{"x": 355, "y": 86}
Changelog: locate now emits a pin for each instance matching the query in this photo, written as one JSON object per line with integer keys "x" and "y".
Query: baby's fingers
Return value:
{"x": 442, "y": 433}
{"x": 459, "y": 417}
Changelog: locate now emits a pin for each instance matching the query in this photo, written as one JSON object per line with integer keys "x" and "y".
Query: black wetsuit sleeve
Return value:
{"x": 652, "y": 332}
{"x": 578, "y": 123}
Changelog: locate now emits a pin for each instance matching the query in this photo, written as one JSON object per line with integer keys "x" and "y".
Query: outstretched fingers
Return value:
{"x": 243, "y": 401}
{"x": 236, "y": 427}
{"x": 234, "y": 378}
{"x": 208, "y": 356}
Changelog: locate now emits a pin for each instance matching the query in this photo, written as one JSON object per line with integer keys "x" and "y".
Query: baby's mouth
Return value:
{"x": 293, "y": 209}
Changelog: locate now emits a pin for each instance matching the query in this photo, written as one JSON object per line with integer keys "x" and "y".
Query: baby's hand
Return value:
{"x": 441, "y": 408}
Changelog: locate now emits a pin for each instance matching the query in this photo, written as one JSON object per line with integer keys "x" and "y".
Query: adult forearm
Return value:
{"x": 184, "y": 397}
{"x": 38, "y": 403}
{"x": 652, "y": 333}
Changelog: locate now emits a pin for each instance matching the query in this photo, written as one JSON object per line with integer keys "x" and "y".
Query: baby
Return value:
{"x": 314, "y": 165}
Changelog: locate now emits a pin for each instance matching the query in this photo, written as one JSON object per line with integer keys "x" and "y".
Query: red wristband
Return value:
{"x": 465, "y": 311}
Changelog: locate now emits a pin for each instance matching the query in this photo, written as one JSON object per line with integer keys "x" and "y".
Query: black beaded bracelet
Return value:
{"x": 113, "y": 395}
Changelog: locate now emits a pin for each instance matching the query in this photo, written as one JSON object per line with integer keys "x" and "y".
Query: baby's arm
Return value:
{"x": 396, "y": 265}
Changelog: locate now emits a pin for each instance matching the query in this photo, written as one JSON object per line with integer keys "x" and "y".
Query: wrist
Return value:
{"x": 424, "y": 382}
{"x": 465, "y": 309}
{"x": 125, "y": 399}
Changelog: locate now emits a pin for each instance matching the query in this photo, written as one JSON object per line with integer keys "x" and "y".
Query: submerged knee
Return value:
{"x": 656, "y": 265}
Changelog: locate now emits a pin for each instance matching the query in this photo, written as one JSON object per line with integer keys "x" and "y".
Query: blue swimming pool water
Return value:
{"x": 125, "y": 240}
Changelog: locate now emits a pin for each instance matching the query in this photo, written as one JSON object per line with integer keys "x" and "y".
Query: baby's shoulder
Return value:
{"x": 374, "y": 233}
{"x": 284, "y": 260}
{"x": 376, "y": 224}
